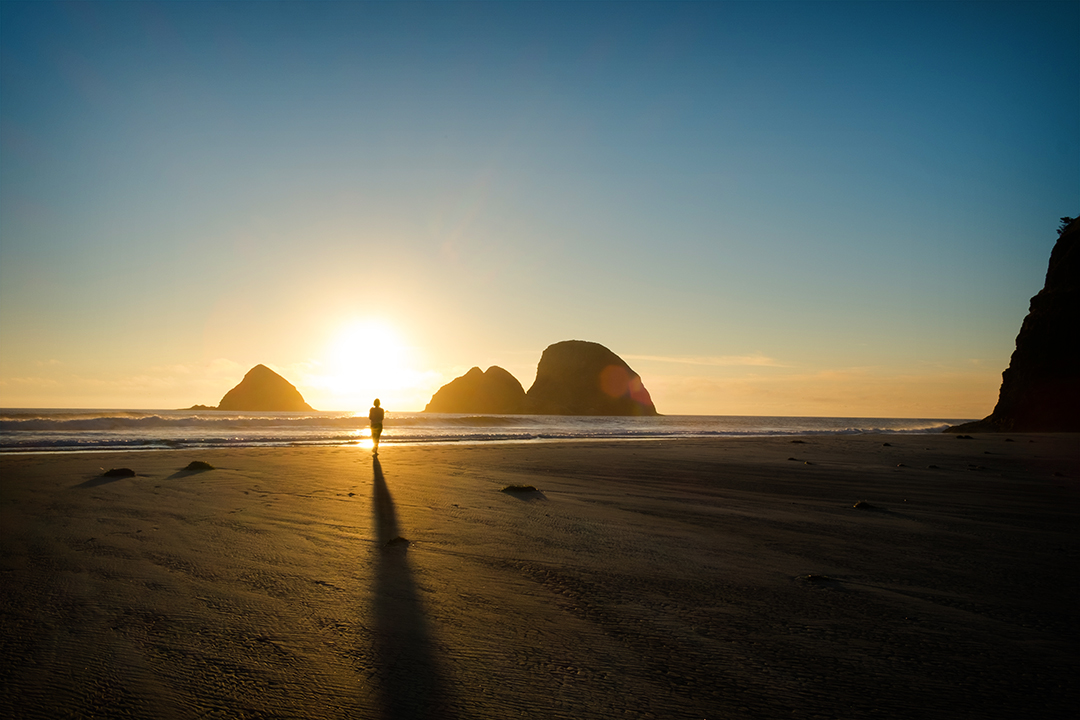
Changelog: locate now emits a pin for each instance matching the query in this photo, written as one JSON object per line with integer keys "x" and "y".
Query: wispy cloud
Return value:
{"x": 713, "y": 360}
{"x": 28, "y": 382}
{"x": 219, "y": 367}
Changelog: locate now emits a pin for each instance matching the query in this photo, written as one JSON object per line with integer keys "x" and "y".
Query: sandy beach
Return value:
{"x": 721, "y": 578}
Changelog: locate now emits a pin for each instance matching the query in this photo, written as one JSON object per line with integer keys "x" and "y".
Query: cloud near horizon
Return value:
{"x": 851, "y": 392}
{"x": 163, "y": 386}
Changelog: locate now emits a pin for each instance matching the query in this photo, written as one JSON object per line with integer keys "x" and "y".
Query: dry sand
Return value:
{"x": 722, "y": 578}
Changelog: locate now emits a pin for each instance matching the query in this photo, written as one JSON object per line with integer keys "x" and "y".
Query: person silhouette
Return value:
{"x": 375, "y": 416}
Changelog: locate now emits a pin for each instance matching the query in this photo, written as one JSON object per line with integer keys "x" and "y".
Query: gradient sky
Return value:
{"x": 811, "y": 208}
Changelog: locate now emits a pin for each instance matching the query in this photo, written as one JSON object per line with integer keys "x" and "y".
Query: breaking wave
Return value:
{"x": 66, "y": 430}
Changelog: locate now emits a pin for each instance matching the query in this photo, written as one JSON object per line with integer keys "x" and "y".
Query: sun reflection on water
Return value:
{"x": 363, "y": 438}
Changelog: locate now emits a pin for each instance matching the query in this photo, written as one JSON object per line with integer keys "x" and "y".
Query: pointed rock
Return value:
{"x": 262, "y": 389}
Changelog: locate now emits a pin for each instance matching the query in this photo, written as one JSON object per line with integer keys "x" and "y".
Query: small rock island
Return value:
{"x": 261, "y": 390}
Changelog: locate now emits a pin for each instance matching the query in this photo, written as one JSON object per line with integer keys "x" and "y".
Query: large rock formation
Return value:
{"x": 1040, "y": 390}
{"x": 575, "y": 377}
{"x": 495, "y": 392}
{"x": 264, "y": 390}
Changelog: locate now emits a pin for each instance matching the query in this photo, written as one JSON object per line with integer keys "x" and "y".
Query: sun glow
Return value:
{"x": 365, "y": 360}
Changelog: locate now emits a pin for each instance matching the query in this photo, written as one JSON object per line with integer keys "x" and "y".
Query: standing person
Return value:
{"x": 375, "y": 415}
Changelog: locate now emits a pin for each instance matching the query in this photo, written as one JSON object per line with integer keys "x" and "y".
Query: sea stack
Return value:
{"x": 575, "y": 377}
{"x": 264, "y": 390}
{"x": 495, "y": 392}
{"x": 1040, "y": 390}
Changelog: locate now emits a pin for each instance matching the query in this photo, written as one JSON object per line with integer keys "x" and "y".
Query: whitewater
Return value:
{"x": 34, "y": 430}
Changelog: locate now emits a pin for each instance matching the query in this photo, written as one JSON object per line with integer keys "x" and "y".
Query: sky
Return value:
{"x": 765, "y": 208}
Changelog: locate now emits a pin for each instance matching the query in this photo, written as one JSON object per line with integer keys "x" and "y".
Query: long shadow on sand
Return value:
{"x": 99, "y": 480}
{"x": 411, "y": 684}
{"x": 96, "y": 482}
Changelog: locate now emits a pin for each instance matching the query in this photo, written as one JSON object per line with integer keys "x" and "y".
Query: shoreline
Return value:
{"x": 463, "y": 442}
{"x": 361, "y": 446}
{"x": 719, "y": 577}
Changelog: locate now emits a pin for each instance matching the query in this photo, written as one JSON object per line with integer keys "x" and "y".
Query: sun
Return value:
{"x": 364, "y": 360}
{"x": 366, "y": 349}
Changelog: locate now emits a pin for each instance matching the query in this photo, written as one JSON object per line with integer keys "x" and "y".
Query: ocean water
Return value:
{"x": 28, "y": 430}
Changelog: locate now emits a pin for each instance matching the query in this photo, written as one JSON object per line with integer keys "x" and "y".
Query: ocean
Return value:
{"x": 29, "y": 430}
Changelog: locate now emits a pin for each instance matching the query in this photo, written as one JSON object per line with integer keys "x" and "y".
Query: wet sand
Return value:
{"x": 722, "y": 578}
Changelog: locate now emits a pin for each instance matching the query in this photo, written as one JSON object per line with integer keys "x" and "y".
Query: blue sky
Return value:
{"x": 783, "y": 208}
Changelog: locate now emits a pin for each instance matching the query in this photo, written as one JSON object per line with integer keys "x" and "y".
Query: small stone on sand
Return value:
{"x": 519, "y": 489}
{"x": 818, "y": 578}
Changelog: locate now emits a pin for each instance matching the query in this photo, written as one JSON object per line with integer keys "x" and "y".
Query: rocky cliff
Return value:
{"x": 1040, "y": 390}
{"x": 495, "y": 392}
{"x": 575, "y": 377}
{"x": 262, "y": 389}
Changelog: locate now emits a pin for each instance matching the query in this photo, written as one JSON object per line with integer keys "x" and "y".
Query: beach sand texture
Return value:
{"x": 721, "y": 578}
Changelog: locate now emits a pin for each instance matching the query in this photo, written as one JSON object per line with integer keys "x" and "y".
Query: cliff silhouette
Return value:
{"x": 1040, "y": 390}
{"x": 573, "y": 377}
